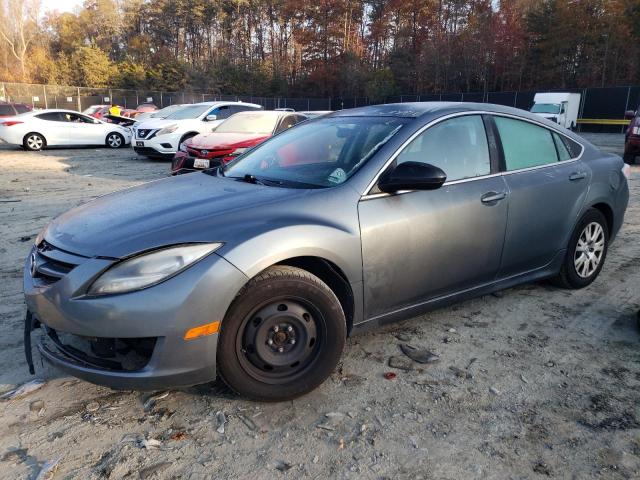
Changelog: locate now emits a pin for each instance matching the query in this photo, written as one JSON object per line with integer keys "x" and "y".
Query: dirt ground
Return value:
{"x": 533, "y": 382}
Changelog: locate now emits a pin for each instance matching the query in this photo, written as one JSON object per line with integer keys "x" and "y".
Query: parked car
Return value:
{"x": 146, "y": 108}
{"x": 259, "y": 270}
{"x": 559, "y": 107}
{"x": 162, "y": 113}
{"x": 11, "y": 109}
{"x": 161, "y": 137}
{"x": 46, "y": 128}
{"x": 97, "y": 111}
{"x": 233, "y": 137}
{"x": 632, "y": 137}
{"x": 316, "y": 113}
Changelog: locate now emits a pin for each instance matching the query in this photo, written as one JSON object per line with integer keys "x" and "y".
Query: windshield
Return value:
{"x": 189, "y": 112}
{"x": 545, "y": 108}
{"x": 249, "y": 123}
{"x": 317, "y": 154}
{"x": 163, "y": 112}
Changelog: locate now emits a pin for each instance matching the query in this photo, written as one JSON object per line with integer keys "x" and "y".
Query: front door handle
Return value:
{"x": 492, "y": 197}
{"x": 577, "y": 176}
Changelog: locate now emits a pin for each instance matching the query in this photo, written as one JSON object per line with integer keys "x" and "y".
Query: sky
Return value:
{"x": 60, "y": 5}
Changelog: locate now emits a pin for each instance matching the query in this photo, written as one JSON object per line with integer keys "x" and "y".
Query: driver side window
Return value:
{"x": 458, "y": 146}
{"x": 221, "y": 112}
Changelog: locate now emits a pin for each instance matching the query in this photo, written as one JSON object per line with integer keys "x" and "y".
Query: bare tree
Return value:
{"x": 19, "y": 27}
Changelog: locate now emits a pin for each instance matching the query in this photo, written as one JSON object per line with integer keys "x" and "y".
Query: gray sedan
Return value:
{"x": 258, "y": 271}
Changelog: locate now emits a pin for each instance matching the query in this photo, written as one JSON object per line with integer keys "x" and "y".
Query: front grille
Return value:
{"x": 209, "y": 153}
{"x": 115, "y": 354}
{"x": 145, "y": 133}
{"x": 49, "y": 263}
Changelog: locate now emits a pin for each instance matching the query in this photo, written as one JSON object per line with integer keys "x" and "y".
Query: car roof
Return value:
{"x": 418, "y": 109}
{"x": 54, "y": 110}
{"x": 225, "y": 102}
{"x": 274, "y": 113}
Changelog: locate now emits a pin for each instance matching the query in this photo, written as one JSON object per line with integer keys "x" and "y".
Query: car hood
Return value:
{"x": 216, "y": 140}
{"x": 189, "y": 208}
{"x": 152, "y": 123}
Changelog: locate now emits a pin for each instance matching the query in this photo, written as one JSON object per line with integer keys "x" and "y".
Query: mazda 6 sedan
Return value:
{"x": 258, "y": 271}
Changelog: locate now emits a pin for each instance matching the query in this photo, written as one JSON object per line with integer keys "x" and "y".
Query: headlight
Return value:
{"x": 183, "y": 147}
{"x": 150, "y": 269}
{"x": 239, "y": 151}
{"x": 167, "y": 129}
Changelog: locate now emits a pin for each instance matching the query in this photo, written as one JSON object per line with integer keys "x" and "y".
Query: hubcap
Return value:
{"x": 279, "y": 341}
{"x": 114, "y": 141}
{"x": 34, "y": 142}
{"x": 589, "y": 250}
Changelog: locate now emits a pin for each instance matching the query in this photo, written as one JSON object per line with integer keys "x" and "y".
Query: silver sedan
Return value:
{"x": 258, "y": 271}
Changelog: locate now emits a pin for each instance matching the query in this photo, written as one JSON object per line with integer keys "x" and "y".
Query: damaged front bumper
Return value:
{"x": 97, "y": 338}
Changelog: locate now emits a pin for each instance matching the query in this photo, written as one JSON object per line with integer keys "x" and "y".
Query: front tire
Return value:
{"x": 586, "y": 252}
{"x": 114, "y": 140}
{"x": 282, "y": 336}
{"x": 34, "y": 142}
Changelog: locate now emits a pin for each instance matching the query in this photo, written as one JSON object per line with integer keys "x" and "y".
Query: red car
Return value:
{"x": 632, "y": 137}
{"x": 231, "y": 138}
{"x": 12, "y": 109}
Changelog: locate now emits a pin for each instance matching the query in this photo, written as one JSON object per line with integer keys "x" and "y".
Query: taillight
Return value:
{"x": 10, "y": 123}
{"x": 626, "y": 171}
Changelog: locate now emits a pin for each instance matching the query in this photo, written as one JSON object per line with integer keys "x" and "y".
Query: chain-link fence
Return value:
{"x": 600, "y": 108}
{"x": 81, "y": 98}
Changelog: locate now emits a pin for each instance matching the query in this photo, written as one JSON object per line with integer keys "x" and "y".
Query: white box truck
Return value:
{"x": 559, "y": 107}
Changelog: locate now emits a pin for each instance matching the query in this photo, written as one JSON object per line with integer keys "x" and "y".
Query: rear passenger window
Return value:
{"x": 563, "y": 151}
{"x": 575, "y": 149}
{"x": 6, "y": 110}
{"x": 457, "y": 146}
{"x": 51, "y": 116}
{"x": 525, "y": 145}
{"x": 288, "y": 122}
{"x": 21, "y": 108}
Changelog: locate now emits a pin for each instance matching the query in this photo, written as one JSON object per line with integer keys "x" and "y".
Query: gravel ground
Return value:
{"x": 531, "y": 382}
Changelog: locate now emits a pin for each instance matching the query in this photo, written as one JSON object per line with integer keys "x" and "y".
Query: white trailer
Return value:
{"x": 559, "y": 107}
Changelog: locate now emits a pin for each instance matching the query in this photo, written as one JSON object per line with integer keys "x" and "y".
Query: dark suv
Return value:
{"x": 11, "y": 109}
{"x": 632, "y": 137}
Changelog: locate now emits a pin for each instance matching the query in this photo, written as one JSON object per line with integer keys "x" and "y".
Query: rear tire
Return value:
{"x": 114, "y": 140}
{"x": 34, "y": 142}
{"x": 282, "y": 336}
{"x": 586, "y": 252}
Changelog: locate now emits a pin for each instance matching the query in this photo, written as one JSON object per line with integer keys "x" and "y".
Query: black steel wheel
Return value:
{"x": 282, "y": 337}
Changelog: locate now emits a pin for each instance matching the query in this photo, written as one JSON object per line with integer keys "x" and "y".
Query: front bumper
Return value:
{"x": 632, "y": 145}
{"x": 184, "y": 163}
{"x": 163, "y": 145}
{"x": 199, "y": 295}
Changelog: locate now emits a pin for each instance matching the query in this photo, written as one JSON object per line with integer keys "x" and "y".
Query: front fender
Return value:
{"x": 341, "y": 247}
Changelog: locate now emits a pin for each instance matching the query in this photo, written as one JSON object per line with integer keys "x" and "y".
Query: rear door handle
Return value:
{"x": 492, "y": 197}
{"x": 577, "y": 176}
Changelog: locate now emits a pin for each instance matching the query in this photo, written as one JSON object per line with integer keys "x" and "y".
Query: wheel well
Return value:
{"x": 607, "y": 212}
{"x": 330, "y": 274}
{"x": 187, "y": 135}
{"x": 24, "y": 139}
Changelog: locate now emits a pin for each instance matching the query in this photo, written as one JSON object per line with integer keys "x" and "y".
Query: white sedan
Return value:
{"x": 44, "y": 128}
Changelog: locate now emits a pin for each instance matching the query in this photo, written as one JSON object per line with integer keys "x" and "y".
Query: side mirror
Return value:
{"x": 211, "y": 118}
{"x": 629, "y": 115}
{"x": 412, "y": 176}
